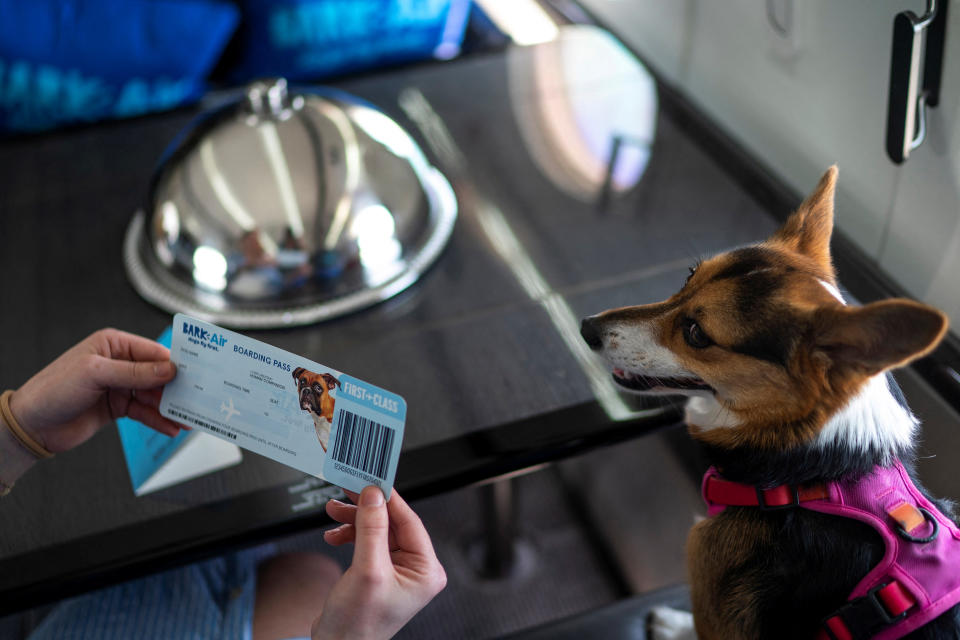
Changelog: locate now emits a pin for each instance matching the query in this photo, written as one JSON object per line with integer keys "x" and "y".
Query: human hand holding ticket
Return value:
{"x": 280, "y": 405}
{"x": 395, "y": 571}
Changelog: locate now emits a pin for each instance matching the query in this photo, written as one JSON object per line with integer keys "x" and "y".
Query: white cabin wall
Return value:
{"x": 817, "y": 96}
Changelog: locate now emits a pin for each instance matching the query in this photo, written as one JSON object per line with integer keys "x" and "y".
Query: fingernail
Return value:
{"x": 371, "y": 497}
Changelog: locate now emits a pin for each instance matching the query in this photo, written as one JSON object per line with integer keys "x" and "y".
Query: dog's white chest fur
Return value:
{"x": 872, "y": 420}
{"x": 671, "y": 624}
{"x": 322, "y": 426}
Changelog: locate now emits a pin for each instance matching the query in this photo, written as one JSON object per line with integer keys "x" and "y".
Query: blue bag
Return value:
{"x": 66, "y": 61}
{"x": 312, "y": 39}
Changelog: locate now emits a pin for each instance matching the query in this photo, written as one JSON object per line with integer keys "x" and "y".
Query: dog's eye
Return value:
{"x": 693, "y": 270}
{"x": 695, "y": 336}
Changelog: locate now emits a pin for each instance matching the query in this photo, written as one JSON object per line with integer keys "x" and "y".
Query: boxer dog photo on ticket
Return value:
{"x": 283, "y": 406}
{"x": 315, "y": 394}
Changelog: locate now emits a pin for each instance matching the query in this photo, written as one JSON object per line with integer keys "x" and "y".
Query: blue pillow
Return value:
{"x": 312, "y": 39}
{"x": 66, "y": 61}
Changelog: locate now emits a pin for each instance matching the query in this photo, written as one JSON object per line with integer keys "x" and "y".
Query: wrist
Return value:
{"x": 15, "y": 459}
{"x": 321, "y": 631}
{"x": 327, "y": 629}
{"x": 16, "y": 411}
{"x": 28, "y": 440}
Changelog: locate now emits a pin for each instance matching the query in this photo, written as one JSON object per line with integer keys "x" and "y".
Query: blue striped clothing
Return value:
{"x": 210, "y": 600}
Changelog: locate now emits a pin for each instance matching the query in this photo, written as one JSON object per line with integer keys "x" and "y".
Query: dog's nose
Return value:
{"x": 590, "y": 333}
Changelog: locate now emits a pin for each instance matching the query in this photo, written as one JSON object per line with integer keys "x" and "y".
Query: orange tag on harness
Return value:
{"x": 907, "y": 516}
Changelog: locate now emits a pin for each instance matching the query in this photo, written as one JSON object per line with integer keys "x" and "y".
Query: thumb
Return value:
{"x": 372, "y": 527}
{"x": 128, "y": 374}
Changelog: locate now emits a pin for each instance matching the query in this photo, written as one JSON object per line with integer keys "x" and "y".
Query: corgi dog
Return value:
{"x": 818, "y": 528}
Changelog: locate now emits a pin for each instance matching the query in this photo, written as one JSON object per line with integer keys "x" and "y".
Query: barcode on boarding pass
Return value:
{"x": 202, "y": 423}
{"x": 363, "y": 444}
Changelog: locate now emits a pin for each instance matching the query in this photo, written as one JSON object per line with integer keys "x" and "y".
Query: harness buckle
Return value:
{"x": 873, "y": 595}
{"x": 792, "y": 497}
{"x": 863, "y": 617}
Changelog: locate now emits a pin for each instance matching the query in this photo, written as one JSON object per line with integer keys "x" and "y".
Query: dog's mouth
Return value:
{"x": 637, "y": 382}
{"x": 308, "y": 401}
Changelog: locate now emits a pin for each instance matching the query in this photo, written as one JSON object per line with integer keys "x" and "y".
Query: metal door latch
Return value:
{"x": 911, "y": 93}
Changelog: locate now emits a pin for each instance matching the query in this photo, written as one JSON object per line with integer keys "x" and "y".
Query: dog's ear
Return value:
{"x": 881, "y": 335}
{"x": 808, "y": 229}
{"x": 297, "y": 372}
{"x": 330, "y": 380}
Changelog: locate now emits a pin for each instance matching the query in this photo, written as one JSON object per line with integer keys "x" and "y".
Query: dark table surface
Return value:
{"x": 483, "y": 347}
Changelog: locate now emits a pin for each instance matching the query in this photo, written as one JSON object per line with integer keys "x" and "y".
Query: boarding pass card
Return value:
{"x": 280, "y": 405}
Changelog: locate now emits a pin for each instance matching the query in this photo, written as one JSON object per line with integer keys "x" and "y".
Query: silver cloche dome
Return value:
{"x": 287, "y": 208}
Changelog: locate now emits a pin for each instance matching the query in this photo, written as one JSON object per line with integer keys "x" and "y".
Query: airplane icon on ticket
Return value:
{"x": 229, "y": 410}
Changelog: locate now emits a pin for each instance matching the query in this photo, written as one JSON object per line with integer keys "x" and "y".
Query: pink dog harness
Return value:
{"x": 919, "y": 575}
